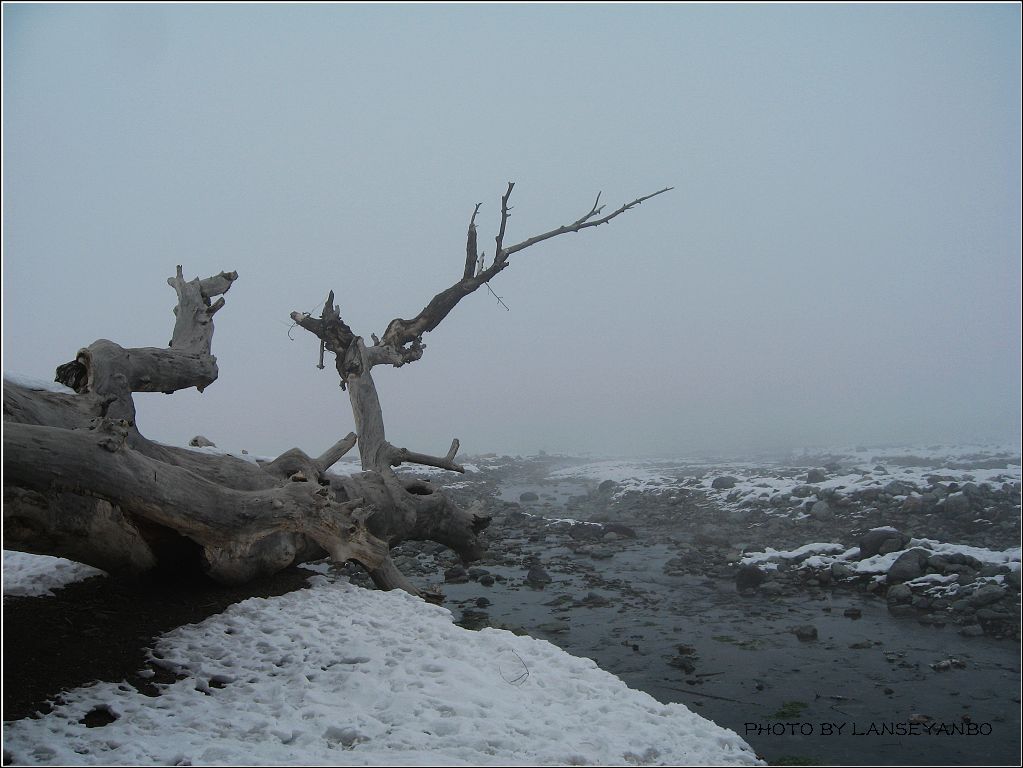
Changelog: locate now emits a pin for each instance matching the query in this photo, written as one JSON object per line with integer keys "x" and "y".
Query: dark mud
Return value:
{"x": 100, "y": 629}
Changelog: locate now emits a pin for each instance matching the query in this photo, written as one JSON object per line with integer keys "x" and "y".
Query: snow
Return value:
{"x": 770, "y": 478}
{"x": 1009, "y": 557}
{"x": 634, "y": 476}
{"x": 34, "y": 575}
{"x": 801, "y": 553}
{"x": 340, "y": 675}
{"x": 823, "y": 555}
{"x": 31, "y": 382}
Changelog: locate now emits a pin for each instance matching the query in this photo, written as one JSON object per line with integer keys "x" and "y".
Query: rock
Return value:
{"x": 870, "y": 543}
{"x": 909, "y": 565}
{"x": 816, "y": 476}
{"x": 553, "y": 627}
{"x": 538, "y": 576}
{"x": 528, "y": 496}
{"x": 852, "y": 613}
{"x": 487, "y": 580}
{"x": 608, "y": 486}
{"x": 891, "y": 545}
{"x": 901, "y": 611}
{"x": 622, "y": 530}
{"x": 899, "y": 593}
{"x": 913, "y": 504}
{"x": 201, "y": 442}
{"x": 821, "y": 511}
{"x": 991, "y": 569}
{"x": 482, "y": 602}
{"x": 972, "y": 490}
{"x": 475, "y": 573}
{"x": 456, "y": 574}
{"x": 724, "y": 482}
{"x": 957, "y": 505}
{"x": 804, "y": 491}
{"x": 989, "y": 593}
{"x": 993, "y": 616}
{"x": 946, "y": 664}
{"x": 961, "y": 605}
{"x": 899, "y": 488}
{"x": 599, "y": 553}
{"x": 771, "y": 588}
{"x": 972, "y": 630}
{"x": 586, "y": 531}
{"x": 959, "y": 558}
{"x": 749, "y": 577}
{"x": 683, "y": 663}
{"x": 593, "y": 600}
{"x": 841, "y": 571}
{"x": 805, "y": 632}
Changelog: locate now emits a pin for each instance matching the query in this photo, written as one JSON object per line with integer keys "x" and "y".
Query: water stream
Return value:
{"x": 863, "y": 692}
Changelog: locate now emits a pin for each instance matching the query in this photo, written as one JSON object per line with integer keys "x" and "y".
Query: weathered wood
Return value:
{"x": 417, "y": 510}
{"x": 81, "y": 481}
{"x": 242, "y": 534}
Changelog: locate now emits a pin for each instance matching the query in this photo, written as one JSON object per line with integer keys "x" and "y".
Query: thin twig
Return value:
{"x": 521, "y": 678}
{"x": 499, "y": 299}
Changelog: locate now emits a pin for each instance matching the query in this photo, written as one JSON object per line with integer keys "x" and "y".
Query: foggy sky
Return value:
{"x": 839, "y": 261}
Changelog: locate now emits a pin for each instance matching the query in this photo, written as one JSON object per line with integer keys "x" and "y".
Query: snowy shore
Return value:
{"x": 340, "y": 675}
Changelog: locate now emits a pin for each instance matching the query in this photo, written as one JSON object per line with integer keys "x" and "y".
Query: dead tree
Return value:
{"x": 81, "y": 481}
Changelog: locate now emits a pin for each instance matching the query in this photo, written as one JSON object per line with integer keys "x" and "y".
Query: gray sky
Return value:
{"x": 839, "y": 261}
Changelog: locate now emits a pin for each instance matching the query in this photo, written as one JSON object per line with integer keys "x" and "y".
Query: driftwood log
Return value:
{"x": 81, "y": 481}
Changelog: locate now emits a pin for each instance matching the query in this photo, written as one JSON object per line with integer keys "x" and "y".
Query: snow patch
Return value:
{"x": 28, "y": 575}
{"x": 340, "y": 675}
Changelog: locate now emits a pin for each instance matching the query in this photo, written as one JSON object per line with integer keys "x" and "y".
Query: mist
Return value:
{"x": 838, "y": 263}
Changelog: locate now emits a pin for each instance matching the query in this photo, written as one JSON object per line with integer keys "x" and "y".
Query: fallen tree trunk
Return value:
{"x": 81, "y": 481}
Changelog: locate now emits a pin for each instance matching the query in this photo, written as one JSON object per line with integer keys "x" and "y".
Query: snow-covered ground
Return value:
{"x": 33, "y": 575}
{"x": 858, "y": 469}
{"x": 340, "y": 675}
{"x": 637, "y": 476}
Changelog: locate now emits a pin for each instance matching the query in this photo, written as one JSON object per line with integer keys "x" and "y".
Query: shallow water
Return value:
{"x": 821, "y": 701}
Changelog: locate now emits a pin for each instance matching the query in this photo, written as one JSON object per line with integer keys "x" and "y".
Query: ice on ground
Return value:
{"x": 340, "y": 675}
{"x": 28, "y": 575}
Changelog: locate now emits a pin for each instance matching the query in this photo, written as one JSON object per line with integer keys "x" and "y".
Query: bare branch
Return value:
{"x": 582, "y": 223}
{"x": 471, "y": 254}
{"x": 405, "y": 456}
{"x": 193, "y": 327}
{"x": 404, "y": 337}
{"x": 333, "y": 454}
{"x": 505, "y": 214}
{"x": 333, "y": 333}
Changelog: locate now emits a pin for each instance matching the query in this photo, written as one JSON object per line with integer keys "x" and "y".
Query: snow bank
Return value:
{"x": 34, "y": 575}
{"x": 340, "y": 675}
